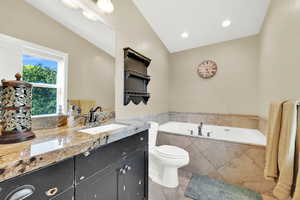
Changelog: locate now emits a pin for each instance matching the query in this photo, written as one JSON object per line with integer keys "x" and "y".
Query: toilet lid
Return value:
{"x": 171, "y": 152}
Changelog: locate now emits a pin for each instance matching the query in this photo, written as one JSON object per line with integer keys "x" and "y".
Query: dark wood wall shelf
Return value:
{"x": 136, "y": 74}
{"x": 136, "y": 78}
{"x": 136, "y": 97}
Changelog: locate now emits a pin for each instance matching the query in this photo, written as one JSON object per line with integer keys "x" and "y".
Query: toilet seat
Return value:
{"x": 172, "y": 152}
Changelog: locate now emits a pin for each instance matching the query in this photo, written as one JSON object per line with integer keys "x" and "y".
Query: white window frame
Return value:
{"x": 60, "y": 79}
{"x": 31, "y": 49}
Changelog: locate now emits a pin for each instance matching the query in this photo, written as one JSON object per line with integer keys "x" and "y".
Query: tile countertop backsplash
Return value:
{"x": 48, "y": 122}
{"x": 53, "y": 145}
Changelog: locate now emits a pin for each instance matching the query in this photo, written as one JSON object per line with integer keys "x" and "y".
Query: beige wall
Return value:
{"x": 279, "y": 67}
{"x": 91, "y": 70}
{"x": 252, "y": 71}
{"x": 232, "y": 91}
{"x": 133, "y": 31}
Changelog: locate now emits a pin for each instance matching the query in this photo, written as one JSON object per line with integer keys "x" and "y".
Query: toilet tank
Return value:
{"x": 153, "y": 134}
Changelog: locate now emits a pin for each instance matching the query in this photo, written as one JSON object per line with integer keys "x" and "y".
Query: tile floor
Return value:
{"x": 157, "y": 192}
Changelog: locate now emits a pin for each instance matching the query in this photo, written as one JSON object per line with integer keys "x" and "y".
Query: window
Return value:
{"x": 45, "y": 75}
{"x": 42, "y": 73}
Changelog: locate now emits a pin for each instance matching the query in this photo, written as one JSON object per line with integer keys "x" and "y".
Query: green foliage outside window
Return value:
{"x": 39, "y": 74}
{"x": 43, "y": 99}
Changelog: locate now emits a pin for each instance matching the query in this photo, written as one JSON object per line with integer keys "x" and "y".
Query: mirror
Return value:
{"x": 49, "y": 43}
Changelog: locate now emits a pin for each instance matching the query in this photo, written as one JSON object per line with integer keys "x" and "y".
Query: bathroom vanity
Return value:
{"x": 116, "y": 171}
{"x": 109, "y": 167}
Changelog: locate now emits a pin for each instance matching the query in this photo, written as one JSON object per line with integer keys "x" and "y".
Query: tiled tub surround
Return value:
{"x": 233, "y": 163}
{"x": 233, "y": 120}
{"x": 263, "y": 125}
{"x": 160, "y": 118}
{"x": 54, "y": 145}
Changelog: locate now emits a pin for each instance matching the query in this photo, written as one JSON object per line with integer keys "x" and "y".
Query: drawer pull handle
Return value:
{"x": 52, "y": 192}
{"x": 127, "y": 168}
{"x": 122, "y": 171}
{"x": 21, "y": 193}
{"x": 142, "y": 139}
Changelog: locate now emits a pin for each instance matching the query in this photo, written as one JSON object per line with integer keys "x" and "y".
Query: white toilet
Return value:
{"x": 164, "y": 161}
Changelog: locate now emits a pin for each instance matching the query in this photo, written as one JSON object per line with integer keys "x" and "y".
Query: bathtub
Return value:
{"x": 223, "y": 133}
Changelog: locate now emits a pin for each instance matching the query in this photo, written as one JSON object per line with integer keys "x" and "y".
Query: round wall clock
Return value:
{"x": 207, "y": 69}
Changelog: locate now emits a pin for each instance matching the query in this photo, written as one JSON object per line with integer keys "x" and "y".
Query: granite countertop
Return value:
{"x": 53, "y": 145}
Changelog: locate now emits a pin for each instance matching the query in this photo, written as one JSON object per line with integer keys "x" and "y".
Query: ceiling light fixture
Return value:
{"x": 86, "y": 11}
{"x": 106, "y": 6}
{"x": 226, "y": 23}
{"x": 185, "y": 35}
{"x": 90, "y": 15}
{"x": 71, "y": 3}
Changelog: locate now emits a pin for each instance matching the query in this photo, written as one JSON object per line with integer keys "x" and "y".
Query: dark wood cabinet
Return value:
{"x": 135, "y": 177}
{"x": 101, "y": 186}
{"x": 125, "y": 180}
{"x": 42, "y": 184}
{"x": 89, "y": 163}
{"x": 117, "y": 171}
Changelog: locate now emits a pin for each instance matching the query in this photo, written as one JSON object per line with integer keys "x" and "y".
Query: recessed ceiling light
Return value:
{"x": 90, "y": 15}
{"x": 226, "y": 23}
{"x": 71, "y": 3}
{"x": 185, "y": 35}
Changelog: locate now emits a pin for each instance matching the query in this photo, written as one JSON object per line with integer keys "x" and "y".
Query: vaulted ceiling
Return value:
{"x": 200, "y": 21}
{"x": 180, "y": 24}
{"x": 98, "y": 33}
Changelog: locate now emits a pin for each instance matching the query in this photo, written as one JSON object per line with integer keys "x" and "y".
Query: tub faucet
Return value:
{"x": 200, "y": 129}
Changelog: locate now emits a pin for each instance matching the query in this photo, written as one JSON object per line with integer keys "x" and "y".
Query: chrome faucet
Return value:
{"x": 200, "y": 129}
{"x": 92, "y": 117}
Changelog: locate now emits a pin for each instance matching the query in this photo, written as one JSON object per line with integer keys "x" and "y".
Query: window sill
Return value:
{"x": 47, "y": 116}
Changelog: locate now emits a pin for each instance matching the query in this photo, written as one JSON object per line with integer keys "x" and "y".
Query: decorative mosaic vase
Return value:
{"x": 15, "y": 106}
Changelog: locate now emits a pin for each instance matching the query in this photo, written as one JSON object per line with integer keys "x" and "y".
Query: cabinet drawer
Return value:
{"x": 92, "y": 162}
{"x": 131, "y": 144}
{"x": 67, "y": 195}
{"x": 42, "y": 184}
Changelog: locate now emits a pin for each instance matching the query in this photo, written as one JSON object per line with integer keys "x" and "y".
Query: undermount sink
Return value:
{"x": 102, "y": 129}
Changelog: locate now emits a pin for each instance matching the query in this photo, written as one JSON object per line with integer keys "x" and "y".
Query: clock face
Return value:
{"x": 207, "y": 69}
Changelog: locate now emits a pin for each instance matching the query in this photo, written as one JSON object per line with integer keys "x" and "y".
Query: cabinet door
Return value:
{"x": 93, "y": 162}
{"x": 87, "y": 165}
{"x": 42, "y": 184}
{"x": 101, "y": 186}
{"x": 135, "y": 179}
